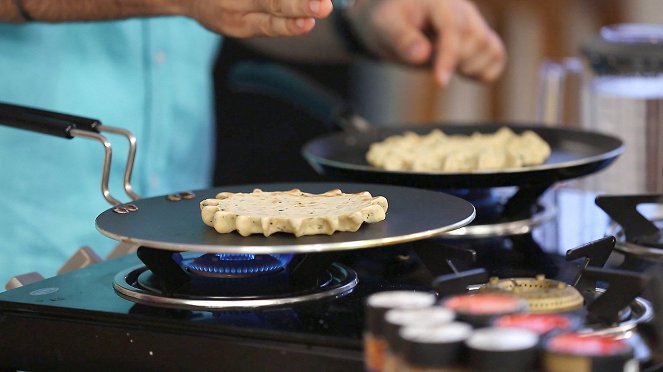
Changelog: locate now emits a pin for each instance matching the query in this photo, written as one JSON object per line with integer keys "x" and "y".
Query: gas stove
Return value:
{"x": 91, "y": 317}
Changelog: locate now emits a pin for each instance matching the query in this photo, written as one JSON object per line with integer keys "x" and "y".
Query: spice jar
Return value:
{"x": 437, "y": 348}
{"x": 503, "y": 349}
{"x": 375, "y": 343}
{"x": 579, "y": 352}
{"x": 396, "y": 319}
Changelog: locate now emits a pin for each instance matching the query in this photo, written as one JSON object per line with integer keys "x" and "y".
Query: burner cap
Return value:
{"x": 234, "y": 265}
{"x": 542, "y": 295}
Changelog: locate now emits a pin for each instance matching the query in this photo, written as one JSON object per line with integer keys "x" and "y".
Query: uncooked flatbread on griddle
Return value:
{"x": 439, "y": 152}
{"x": 293, "y": 211}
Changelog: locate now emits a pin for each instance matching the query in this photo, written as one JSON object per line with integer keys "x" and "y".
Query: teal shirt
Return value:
{"x": 150, "y": 76}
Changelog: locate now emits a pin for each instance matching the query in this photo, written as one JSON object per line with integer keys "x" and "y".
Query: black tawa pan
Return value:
{"x": 574, "y": 154}
{"x": 413, "y": 214}
{"x": 342, "y": 154}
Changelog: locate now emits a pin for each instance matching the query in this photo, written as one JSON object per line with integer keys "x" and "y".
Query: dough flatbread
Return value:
{"x": 439, "y": 152}
{"x": 293, "y": 211}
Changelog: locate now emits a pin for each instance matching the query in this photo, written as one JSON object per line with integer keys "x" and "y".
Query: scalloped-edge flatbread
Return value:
{"x": 439, "y": 152}
{"x": 293, "y": 211}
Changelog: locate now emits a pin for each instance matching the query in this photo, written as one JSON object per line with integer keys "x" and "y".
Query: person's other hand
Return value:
{"x": 449, "y": 34}
{"x": 247, "y": 18}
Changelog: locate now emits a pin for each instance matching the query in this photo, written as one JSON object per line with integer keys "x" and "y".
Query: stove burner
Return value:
{"x": 225, "y": 265}
{"x": 138, "y": 284}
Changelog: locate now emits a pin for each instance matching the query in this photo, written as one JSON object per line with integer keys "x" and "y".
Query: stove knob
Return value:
{"x": 24, "y": 279}
{"x": 83, "y": 257}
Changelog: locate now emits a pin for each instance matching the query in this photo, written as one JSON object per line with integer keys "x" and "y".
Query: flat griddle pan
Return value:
{"x": 575, "y": 153}
{"x": 413, "y": 214}
{"x": 342, "y": 155}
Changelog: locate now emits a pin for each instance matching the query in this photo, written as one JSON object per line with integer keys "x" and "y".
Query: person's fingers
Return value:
{"x": 402, "y": 33}
{"x": 494, "y": 68}
{"x": 262, "y": 24}
{"x": 487, "y": 61}
{"x": 475, "y": 51}
{"x": 482, "y": 53}
{"x": 448, "y": 21}
{"x": 281, "y": 8}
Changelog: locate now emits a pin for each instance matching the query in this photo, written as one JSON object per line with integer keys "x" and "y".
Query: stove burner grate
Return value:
{"x": 638, "y": 312}
{"x": 639, "y": 235}
{"x": 139, "y": 285}
{"x": 651, "y": 249}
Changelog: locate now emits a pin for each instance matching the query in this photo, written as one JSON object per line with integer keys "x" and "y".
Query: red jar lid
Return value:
{"x": 484, "y": 304}
{"x": 539, "y": 323}
{"x": 587, "y": 345}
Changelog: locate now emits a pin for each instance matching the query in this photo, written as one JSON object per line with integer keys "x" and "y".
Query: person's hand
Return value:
{"x": 450, "y": 34}
{"x": 247, "y": 18}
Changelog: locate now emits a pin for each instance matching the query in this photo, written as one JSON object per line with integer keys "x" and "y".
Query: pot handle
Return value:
{"x": 69, "y": 126}
{"x": 46, "y": 122}
{"x": 296, "y": 89}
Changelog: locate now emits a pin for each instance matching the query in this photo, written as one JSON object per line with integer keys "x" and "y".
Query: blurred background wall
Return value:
{"x": 533, "y": 31}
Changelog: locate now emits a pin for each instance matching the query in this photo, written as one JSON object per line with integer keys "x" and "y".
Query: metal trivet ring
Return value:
{"x": 635, "y": 249}
{"x": 640, "y": 311}
{"x": 125, "y": 284}
{"x": 510, "y": 228}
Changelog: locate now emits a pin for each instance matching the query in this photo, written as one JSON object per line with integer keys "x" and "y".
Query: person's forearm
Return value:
{"x": 82, "y": 10}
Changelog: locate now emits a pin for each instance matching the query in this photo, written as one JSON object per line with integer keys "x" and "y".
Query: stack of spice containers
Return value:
{"x": 490, "y": 348}
{"x": 396, "y": 319}
{"x": 482, "y": 331}
{"x": 377, "y": 305}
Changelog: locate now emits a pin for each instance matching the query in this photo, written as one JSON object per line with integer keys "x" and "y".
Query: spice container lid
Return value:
{"x": 626, "y": 49}
{"x": 582, "y": 344}
{"x": 503, "y": 349}
{"x": 587, "y": 352}
{"x": 434, "y": 346}
{"x": 539, "y": 323}
{"x": 395, "y": 319}
{"x": 479, "y": 309}
{"x": 379, "y": 303}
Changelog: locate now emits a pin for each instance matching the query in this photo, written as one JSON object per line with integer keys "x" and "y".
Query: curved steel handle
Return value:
{"x": 69, "y": 126}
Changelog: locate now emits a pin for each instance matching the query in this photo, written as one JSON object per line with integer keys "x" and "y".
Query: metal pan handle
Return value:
{"x": 41, "y": 121}
{"x": 69, "y": 126}
{"x": 296, "y": 89}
